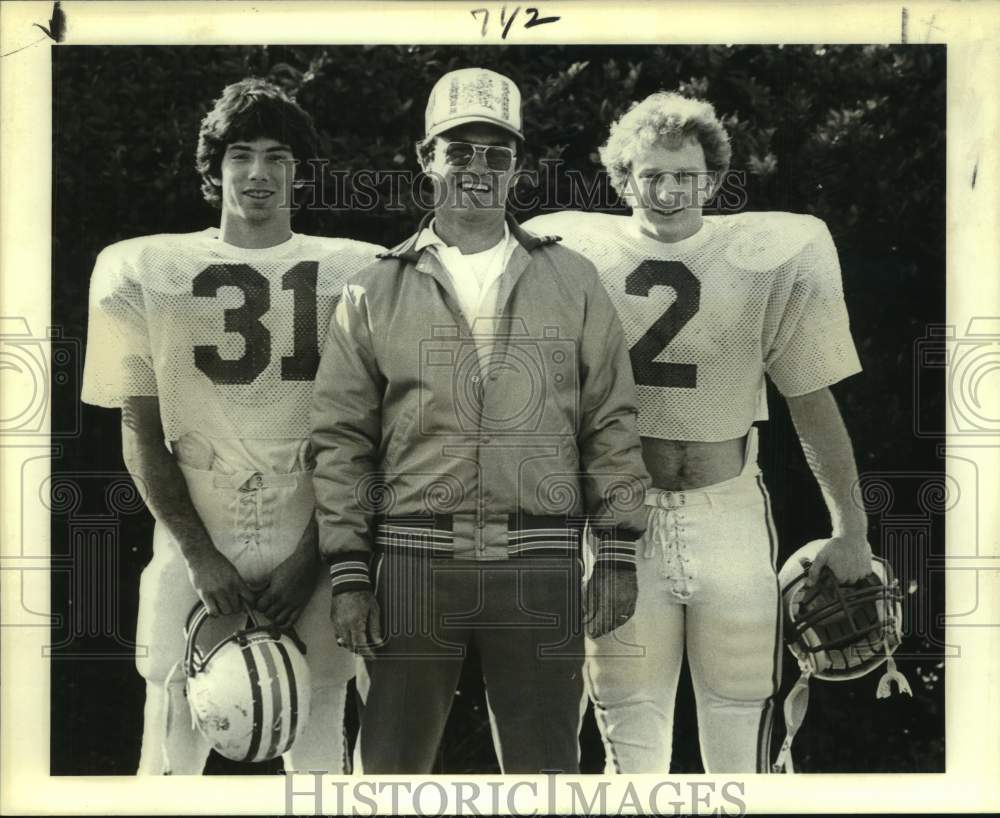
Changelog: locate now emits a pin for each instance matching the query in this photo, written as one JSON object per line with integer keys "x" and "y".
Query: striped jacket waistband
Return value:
{"x": 439, "y": 535}
{"x": 466, "y": 536}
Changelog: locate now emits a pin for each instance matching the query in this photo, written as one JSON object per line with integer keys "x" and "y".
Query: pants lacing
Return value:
{"x": 675, "y": 561}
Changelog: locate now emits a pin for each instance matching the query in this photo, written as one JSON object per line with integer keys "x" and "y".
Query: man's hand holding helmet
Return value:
{"x": 849, "y": 557}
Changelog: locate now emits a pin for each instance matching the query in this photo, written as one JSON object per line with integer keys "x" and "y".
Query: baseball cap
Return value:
{"x": 473, "y": 95}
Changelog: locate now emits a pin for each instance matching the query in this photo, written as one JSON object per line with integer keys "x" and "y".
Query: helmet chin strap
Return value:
{"x": 891, "y": 675}
{"x": 178, "y": 666}
{"x": 796, "y": 705}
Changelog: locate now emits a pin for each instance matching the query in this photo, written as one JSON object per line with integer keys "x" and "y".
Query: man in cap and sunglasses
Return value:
{"x": 474, "y": 409}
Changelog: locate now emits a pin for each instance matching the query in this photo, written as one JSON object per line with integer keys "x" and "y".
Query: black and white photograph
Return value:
{"x": 518, "y": 408}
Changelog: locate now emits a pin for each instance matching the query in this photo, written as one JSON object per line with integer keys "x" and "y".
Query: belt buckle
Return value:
{"x": 670, "y": 500}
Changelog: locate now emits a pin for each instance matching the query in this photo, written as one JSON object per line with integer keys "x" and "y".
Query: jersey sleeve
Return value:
{"x": 119, "y": 360}
{"x": 813, "y": 347}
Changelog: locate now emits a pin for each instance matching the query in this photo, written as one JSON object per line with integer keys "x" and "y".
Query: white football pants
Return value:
{"x": 256, "y": 522}
{"x": 707, "y": 584}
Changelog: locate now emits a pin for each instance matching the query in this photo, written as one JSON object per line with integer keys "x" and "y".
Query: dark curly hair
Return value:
{"x": 247, "y": 110}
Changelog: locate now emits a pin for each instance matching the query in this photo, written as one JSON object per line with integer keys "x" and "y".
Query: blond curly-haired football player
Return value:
{"x": 710, "y": 306}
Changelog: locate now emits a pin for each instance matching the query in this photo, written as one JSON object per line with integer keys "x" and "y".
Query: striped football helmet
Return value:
{"x": 249, "y": 693}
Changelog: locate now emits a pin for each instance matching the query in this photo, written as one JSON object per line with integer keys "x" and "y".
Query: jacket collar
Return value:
{"x": 407, "y": 252}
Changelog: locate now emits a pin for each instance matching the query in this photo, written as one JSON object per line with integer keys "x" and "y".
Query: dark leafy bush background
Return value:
{"x": 854, "y": 135}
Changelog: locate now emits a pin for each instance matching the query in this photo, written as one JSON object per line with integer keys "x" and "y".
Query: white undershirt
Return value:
{"x": 475, "y": 278}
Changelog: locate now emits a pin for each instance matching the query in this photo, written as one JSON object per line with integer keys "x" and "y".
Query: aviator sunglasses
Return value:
{"x": 461, "y": 154}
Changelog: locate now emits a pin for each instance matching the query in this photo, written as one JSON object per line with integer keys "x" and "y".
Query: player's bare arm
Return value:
{"x": 828, "y": 451}
{"x": 290, "y": 584}
{"x": 154, "y": 468}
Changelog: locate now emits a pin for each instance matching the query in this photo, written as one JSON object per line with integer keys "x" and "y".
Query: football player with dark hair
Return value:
{"x": 473, "y": 408}
{"x": 246, "y": 109}
{"x": 710, "y": 305}
{"x": 208, "y": 342}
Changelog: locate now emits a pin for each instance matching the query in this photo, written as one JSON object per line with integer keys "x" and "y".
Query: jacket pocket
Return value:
{"x": 569, "y": 453}
{"x": 399, "y": 434}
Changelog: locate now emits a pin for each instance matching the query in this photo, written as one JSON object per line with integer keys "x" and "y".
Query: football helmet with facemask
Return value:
{"x": 248, "y": 693}
{"x": 837, "y": 632}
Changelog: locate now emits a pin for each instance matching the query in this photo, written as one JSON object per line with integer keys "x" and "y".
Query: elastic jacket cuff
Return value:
{"x": 349, "y": 572}
{"x": 616, "y": 549}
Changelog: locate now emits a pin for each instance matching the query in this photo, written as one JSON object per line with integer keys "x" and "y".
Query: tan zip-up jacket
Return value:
{"x": 412, "y": 434}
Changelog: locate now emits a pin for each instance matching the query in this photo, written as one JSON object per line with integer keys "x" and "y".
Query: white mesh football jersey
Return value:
{"x": 227, "y": 338}
{"x": 706, "y": 317}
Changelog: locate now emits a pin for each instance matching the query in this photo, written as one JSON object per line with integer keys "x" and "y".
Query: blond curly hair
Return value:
{"x": 670, "y": 119}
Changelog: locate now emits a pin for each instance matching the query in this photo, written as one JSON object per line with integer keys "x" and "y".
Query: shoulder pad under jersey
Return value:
{"x": 332, "y": 245}
{"x": 145, "y": 257}
{"x": 568, "y": 222}
{"x": 764, "y": 241}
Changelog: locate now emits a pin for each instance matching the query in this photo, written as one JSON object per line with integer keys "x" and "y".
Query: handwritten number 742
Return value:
{"x": 507, "y": 20}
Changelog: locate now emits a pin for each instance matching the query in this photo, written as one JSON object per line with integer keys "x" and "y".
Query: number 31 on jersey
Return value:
{"x": 301, "y": 364}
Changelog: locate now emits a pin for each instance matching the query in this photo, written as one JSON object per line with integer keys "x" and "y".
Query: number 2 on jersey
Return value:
{"x": 682, "y": 281}
{"x": 245, "y": 319}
